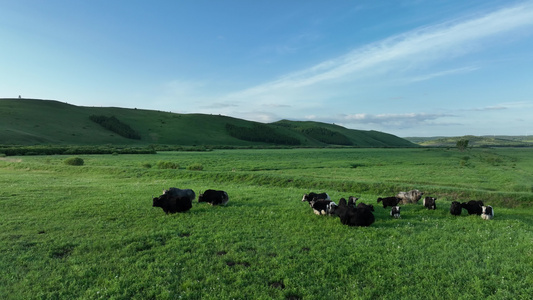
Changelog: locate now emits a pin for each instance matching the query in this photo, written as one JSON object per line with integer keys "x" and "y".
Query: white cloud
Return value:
{"x": 394, "y": 120}
{"x": 413, "y": 49}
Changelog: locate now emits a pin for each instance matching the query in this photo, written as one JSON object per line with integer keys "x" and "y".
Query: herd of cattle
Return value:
{"x": 360, "y": 214}
{"x": 176, "y": 200}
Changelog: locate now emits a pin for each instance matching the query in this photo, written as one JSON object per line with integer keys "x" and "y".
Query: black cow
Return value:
{"x": 429, "y": 203}
{"x": 314, "y": 196}
{"x": 175, "y": 200}
{"x": 214, "y": 197}
{"x": 395, "y": 212}
{"x": 389, "y": 201}
{"x": 354, "y": 216}
{"x": 456, "y": 208}
{"x": 474, "y": 207}
{"x": 365, "y": 206}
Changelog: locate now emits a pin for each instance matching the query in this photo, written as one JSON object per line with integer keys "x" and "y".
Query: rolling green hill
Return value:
{"x": 40, "y": 122}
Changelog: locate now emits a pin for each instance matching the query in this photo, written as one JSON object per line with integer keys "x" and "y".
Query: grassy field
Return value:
{"x": 90, "y": 232}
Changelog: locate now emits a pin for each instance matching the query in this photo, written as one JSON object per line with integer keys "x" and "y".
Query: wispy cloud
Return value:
{"x": 413, "y": 49}
{"x": 439, "y": 74}
{"x": 385, "y": 120}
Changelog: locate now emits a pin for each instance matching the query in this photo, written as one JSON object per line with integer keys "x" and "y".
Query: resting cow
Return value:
{"x": 214, "y": 197}
{"x": 352, "y": 200}
{"x": 487, "y": 213}
{"x": 410, "y": 197}
{"x": 473, "y": 207}
{"x": 429, "y": 203}
{"x": 456, "y": 208}
{"x": 389, "y": 201}
{"x": 395, "y": 212}
{"x": 352, "y": 216}
{"x": 175, "y": 200}
{"x": 323, "y": 207}
{"x": 314, "y": 196}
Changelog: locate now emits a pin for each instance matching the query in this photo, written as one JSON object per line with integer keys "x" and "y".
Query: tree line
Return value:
{"x": 260, "y": 133}
{"x": 115, "y": 125}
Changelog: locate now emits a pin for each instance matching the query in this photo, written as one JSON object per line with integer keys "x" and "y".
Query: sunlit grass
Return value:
{"x": 90, "y": 231}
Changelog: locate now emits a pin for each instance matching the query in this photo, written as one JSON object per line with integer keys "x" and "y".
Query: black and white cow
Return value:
{"x": 487, "y": 213}
{"x": 389, "y": 201}
{"x": 474, "y": 207}
{"x": 175, "y": 200}
{"x": 323, "y": 207}
{"x": 456, "y": 208}
{"x": 214, "y": 197}
{"x": 352, "y": 200}
{"x": 410, "y": 197}
{"x": 314, "y": 196}
{"x": 395, "y": 212}
{"x": 429, "y": 203}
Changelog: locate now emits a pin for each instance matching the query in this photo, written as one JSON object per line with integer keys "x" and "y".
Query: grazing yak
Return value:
{"x": 314, "y": 196}
{"x": 214, "y": 197}
{"x": 456, "y": 208}
{"x": 410, "y": 197}
{"x": 474, "y": 207}
{"x": 354, "y": 216}
{"x": 429, "y": 203}
{"x": 487, "y": 213}
{"x": 175, "y": 200}
{"x": 389, "y": 201}
{"x": 395, "y": 212}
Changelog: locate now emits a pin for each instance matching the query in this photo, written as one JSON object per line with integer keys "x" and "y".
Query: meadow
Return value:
{"x": 90, "y": 231}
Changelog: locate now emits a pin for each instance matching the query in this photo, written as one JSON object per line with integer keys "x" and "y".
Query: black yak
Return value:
{"x": 214, "y": 197}
{"x": 175, "y": 200}
{"x": 389, "y": 201}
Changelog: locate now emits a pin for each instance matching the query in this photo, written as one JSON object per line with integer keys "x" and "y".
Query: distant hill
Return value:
{"x": 40, "y": 122}
{"x": 475, "y": 141}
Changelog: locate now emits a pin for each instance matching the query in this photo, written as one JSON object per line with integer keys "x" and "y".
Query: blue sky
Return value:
{"x": 409, "y": 68}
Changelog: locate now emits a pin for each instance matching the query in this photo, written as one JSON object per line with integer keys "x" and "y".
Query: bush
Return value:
{"x": 167, "y": 165}
{"x": 74, "y": 161}
{"x": 195, "y": 167}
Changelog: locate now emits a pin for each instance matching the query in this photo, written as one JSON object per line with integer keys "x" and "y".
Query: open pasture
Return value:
{"x": 90, "y": 232}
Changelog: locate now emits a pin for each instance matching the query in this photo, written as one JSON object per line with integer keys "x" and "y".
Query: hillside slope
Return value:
{"x": 35, "y": 122}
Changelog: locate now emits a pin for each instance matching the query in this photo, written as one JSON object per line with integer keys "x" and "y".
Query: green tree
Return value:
{"x": 462, "y": 144}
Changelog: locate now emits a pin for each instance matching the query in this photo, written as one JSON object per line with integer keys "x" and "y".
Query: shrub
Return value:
{"x": 74, "y": 161}
{"x": 167, "y": 165}
{"x": 195, "y": 167}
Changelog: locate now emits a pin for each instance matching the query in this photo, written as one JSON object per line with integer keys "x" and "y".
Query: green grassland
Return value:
{"x": 90, "y": 232}
{"x": 47, "y": 122}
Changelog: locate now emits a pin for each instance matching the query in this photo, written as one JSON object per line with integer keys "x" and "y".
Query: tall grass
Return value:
{"x": 89, "y": 232}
